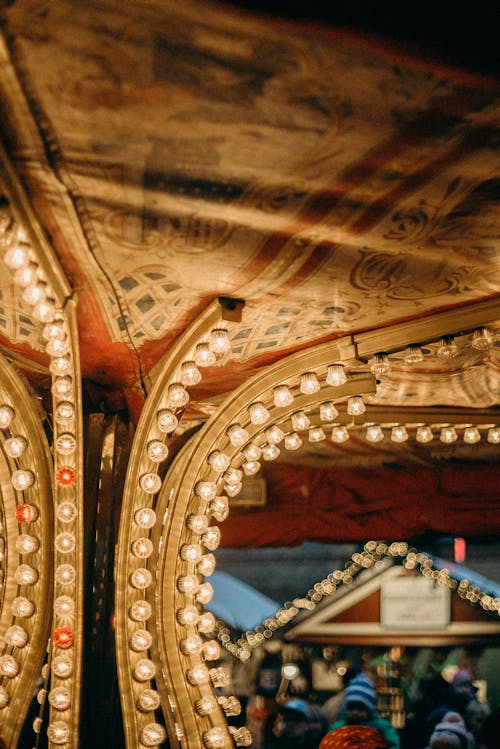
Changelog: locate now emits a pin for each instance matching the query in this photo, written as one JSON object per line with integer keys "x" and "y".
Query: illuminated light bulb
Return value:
{"x": 41, "y": 696}
{"x": 471, "y": 435}
{"x": 15, "y": 446}
{"x": 17, "y": 256}
{"x": 60, "y": 698}
{"x": 327, "y": 411}
{"x": 141, "y": 578}
{"x": 60, "y": 365}
{"x": 447, "y": 348}
{"x": 16, "y": 636}
{"x": 63, "y": 637}
{"x": 65, "y": 543}
{"x": 198, "y": 675}
{"x": 148, "y": 701}
{"x": 258, "y": 413}
{"x": 25, "y": 574}
{"x": 145, "y": 517}
{"x": 233, "y": 489}
{"x": 4, "y": 697}
{"x": 65, "y": 574}
{"x": 282, "y": 396}
{"x": 339, "y": 433}
{"x": 493, "y": 435}
{"x": 150, "y": 483}
{"x": 153, "y": 734}
{"x": 206, "y": 565}
{"x": 219, "y": 508}
{"x": 380, "y": 364}
{"x": 293, "y": 441}
{"x": 54, "y": 329}
{"x": 140, "y": 640}
{"x": 219, "y": 461}
{"x": 203, "y": 356}
{"x": 252, "y": 452}
{"x": 374, "y": 433}
{"x": 58, "y": 732}
{"x": 316, "y": 434}
{"x": 299, "y": 421}
{"x": 206, "y": 706}
{"x": 274, "y": 435}
{"x": 241, "y": 736}
{"x": 26, "y": 514}
{"x": 230, "y": 705}
{"x": 157, "y": 451}
{"x": 6, "y": 416}
{"x": 309, "y": 383}
{"x": 211, "y": 538}
{"x": 26, "y": 544}
{"x": 355, "y": 406}
{"x": 219, "y": 677}
{"x": 62, "y": 386}
{"x": 219, "y": 341}
{"x": 251, "y": 467}
{"x": 44, "y": 311}
{"x": 177, "y": 395}
{"x": 206, "y": 623}
{"x": 166, "y": 420}
{"x": 192, "y": 645}
{"x": 413, "y": 354}
{"x": 191, "y": 552}
{"x": 23, "y": 607}
{"x": 448, "y": 435}
{"x": 205, "y": 593}
{"x": 64, "y": 412}
{"x": 9, "y": 667}
{"x": 140, "y": 611}
{"x": 22, "y": 479}
{"x": 64, "y": 606}
{"x": 336, "y": 375}
{"x": 270, "y": 452}
{"x": 233, "y": 476}
{"x": 215, "y": 738}
{"x": 65, "y": 476}
{"x": 424, "y": 434}
{"x": 188, "y": 616}
{"x": 188, "y": 584}
{"x": 66, "y": 512}
{"x": 142, "y": 548}
{"x": 482, "y": 339}
{"x": 206, "y": 490}
{"x": 62, "y": 666}
{"x": 211, "y": 650}
{"x": 237, "y": 435}
{"x": 197, "y": 523}
{"x": 144, "y": 670}
{"x": 399, "y": 433}
{"x": 190, "y": 374}
{"x": 57, "y": 347}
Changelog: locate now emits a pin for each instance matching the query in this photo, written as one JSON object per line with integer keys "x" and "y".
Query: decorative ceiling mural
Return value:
{"x": 246, "y": 264}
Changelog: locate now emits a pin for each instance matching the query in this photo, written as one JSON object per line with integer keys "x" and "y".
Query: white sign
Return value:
{"x": 414, "y": 603}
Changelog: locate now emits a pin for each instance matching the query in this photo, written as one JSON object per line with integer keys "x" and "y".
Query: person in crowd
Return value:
{"x": 457, "y": 697}
{"x": 451, "y": 733}
{"x": 428, "y": 694}
{"x": 354, "y": 737}
{"x": 297, "y": 725}
{"x": 490, "y": 731}
{"x": 360, "y": 699}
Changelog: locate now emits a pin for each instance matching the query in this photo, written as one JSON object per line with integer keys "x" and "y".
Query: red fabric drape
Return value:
{"x": 353, "y": 506}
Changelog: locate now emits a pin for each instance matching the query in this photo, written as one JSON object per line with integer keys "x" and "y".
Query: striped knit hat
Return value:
{"x": 452, "y": 727}
{"x": 361, "y": 689}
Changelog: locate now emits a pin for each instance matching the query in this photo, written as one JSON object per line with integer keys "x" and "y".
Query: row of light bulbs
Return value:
{"x": 373, "y": 554}
{"x": 40, "y": 298}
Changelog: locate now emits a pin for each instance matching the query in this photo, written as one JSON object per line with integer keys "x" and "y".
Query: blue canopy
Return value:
{"x": 238, "y": 604}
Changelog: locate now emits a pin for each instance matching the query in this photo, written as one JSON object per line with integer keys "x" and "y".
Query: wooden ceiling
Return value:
{"x": 341, "y": 187}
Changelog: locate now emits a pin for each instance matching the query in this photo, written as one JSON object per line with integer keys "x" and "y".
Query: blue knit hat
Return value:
{"x": 361, "y": 689}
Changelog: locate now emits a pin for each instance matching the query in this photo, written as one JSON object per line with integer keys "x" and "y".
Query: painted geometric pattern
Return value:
{"x": 15, "y": 321}
{"x": 153, "y": 303}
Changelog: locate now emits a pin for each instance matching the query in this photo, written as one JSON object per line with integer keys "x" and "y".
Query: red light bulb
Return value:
{"x": 65, "y": 476}
{"x": 63, "y": 637}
